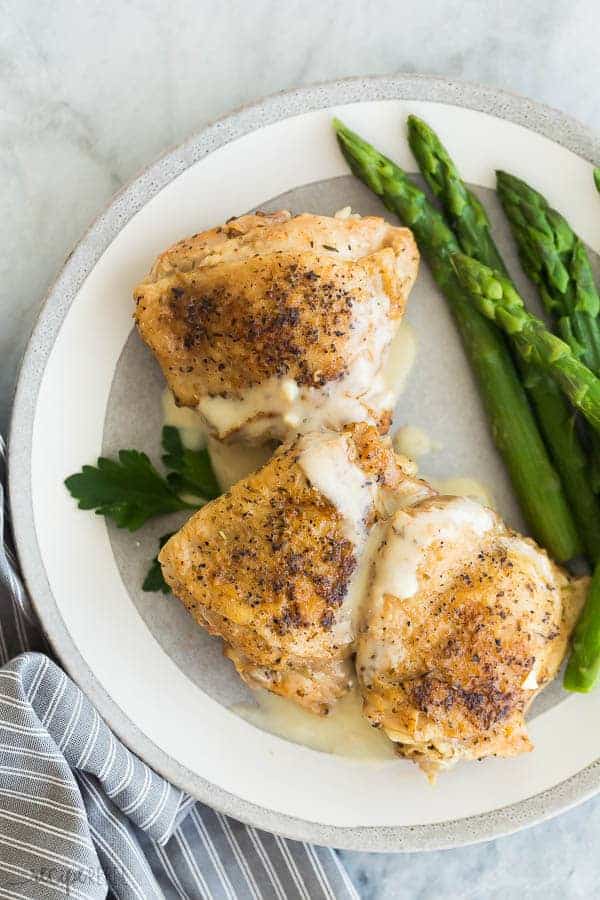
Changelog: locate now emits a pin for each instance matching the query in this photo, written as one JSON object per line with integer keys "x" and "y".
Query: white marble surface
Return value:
{"x": 92, "y": 91}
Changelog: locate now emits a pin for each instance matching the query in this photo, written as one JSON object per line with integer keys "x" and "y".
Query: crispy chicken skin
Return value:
{"x": 270, "y": 566}
{"x": 272, "y": 324}
{"x": 335, "y": 548}
{"x": 465, "y": 622}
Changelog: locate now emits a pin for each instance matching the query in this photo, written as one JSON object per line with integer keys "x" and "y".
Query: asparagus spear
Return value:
{"x": 557, "y": 262}
{"x": 497, "y": 299}
{"x": 515, "y": 432}
{"x": 597, "y": 178}
{"x": 466, "y": 214}
{"x": 584, "y": 663}
{"x": 471, "y": 225}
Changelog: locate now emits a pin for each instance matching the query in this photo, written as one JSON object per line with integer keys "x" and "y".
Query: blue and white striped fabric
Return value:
{"x": 82, "y": 817}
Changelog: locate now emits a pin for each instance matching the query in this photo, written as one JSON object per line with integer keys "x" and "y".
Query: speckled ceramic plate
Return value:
{"x": 88, "y": 386}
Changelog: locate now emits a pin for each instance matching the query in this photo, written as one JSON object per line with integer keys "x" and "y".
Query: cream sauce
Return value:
{"x": 400, "y": 359}
{"x": 465, "y": 487}
{"x": 350, "y": 615}
{"x": 408, "y": 538}
{"x": 412, "y": 441}
{"x": 400, "y": 556}
{"x": 379, "y": 363}
{"x": 531, "y": 682}
{"x": 232, "y": 462}
{"x": 344, "y": 731}
{"x": 189, "y": 421}
{"x": 279, "y": 407}
{"x": 379, "y": 357}
{"x": 324, "y": 459}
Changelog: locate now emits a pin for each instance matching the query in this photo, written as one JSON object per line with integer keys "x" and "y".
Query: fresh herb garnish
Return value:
{"x": 191, "y": 470}
{"x": 129, "y": 491}
{"x": 329, "y": 247}
{"x": 154, "y": 580}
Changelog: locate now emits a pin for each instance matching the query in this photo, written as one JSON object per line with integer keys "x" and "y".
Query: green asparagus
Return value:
{"x": 496, "y": 298}
{"x": 584, "y": 663}
{"x": 515, "y": 432}
{"x": 557, "y": 262}
{"x": 597, "y": 178}
{"x": 471, "y": 226}
{"x": 466, "y": 214}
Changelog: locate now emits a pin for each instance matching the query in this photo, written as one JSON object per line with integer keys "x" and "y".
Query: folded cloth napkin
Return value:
{"x": 82, "y": 817}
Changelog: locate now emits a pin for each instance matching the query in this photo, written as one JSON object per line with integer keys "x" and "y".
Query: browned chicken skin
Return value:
{"x": 332, "y": 548}
{"x": 465, "y": 623}
{"x": 273, "y": 324}
{"x": 270, "y": 566}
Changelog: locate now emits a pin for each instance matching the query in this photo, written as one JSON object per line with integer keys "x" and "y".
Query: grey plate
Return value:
{"x": 543, "y": 120}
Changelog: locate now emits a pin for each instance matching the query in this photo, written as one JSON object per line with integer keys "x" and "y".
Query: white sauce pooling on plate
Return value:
{"x": 465, "y": 487}
{"x": 190, "y": 423}
{"x": 408, "y": 537}
{"x": 324, "y": 457}
{"x": 400, "y": 360}
{"x": 232, "y": 462}
{"x": 412, "y": 441}
{"x": 344, "y": 731}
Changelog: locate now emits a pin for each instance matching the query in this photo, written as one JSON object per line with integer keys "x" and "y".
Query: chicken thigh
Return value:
{"x": 464, "y": 623}
{"x": 333, "y": 548}
{"x": 276, "y": 566}
{"x": 271, "y": 325}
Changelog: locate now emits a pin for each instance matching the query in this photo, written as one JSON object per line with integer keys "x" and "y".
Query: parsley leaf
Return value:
{"x": 129, "y": 491}
{"x": 192, "y": 471}
{"x": 154, "y": 580}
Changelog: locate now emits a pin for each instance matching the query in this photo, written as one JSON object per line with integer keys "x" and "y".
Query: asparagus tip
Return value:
{"x": 506, "y": 179}
{"x": 344, "y": 134}
{"x": 415, "y": 122}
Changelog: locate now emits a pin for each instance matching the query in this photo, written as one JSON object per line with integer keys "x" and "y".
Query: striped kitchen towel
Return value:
{"x": 82, "y": 817}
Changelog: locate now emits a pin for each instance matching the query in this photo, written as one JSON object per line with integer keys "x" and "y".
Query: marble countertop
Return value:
{"x": 92, "y": 92}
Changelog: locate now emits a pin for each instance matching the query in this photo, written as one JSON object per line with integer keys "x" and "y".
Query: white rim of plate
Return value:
{"x": 548, "y": 122}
